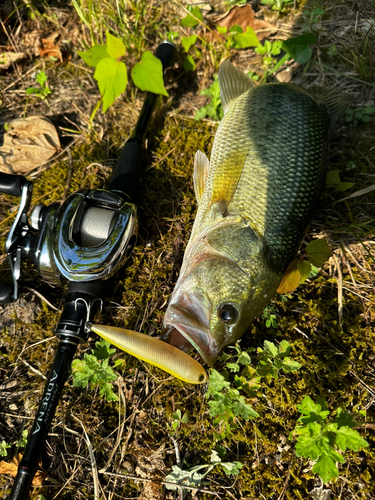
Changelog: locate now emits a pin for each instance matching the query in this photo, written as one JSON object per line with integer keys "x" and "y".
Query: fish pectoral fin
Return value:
{"x": 201, "y": 168}
{"x": 233, "y": 82}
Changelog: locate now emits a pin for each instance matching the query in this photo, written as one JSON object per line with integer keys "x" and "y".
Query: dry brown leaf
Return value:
{"x": 33, "y": 40}
{"x": 49, "y": 49}
{"x": 27, "y": 143}
{"x": 243, "y": 16}
{"x": 7, "y": 58}
{"x": 11, "y": 469}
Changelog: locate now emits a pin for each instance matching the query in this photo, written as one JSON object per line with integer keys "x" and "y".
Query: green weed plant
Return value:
{"x": 213, "y": 109}
{"x": 19, "y": 444}
{"x": 111, "y": 72}
{"x": 94, "y": 369}
{"x": 279, "y": 5}
{"x": 43, "y": 91}
{"x": 312, "y": 18}
{"x": 333, "y": 180}
{"x": 321, "y": 440}
{"x": 3, "y": 448}
{"x": 226, "y": 402}
{"x": 193, "y": 476}
{"x": 358, "y": 115}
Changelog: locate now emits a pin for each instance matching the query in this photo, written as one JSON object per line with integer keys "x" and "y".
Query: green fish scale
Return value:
{"x": 284, "y": 132}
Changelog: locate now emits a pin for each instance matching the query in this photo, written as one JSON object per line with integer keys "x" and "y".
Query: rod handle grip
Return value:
{"x": 22, "y": 485}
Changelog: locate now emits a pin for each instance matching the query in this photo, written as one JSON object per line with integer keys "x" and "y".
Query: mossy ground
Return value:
{"x": 133, "y": 435}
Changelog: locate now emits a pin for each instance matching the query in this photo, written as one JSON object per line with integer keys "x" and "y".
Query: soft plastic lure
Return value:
{"x": 154, "y": 351}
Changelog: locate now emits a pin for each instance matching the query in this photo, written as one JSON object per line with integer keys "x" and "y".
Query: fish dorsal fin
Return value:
{"x": 335, "y": 102}
{"x": 201, "y": 167}
{"x": 233, "y": 82}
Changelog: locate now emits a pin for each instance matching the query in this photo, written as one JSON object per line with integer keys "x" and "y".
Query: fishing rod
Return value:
{"x": 83, "y": 241}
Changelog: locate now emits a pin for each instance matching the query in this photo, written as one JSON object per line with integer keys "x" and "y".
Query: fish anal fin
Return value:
{"x": 233, "y": 82}
{"x": 201, "y": 168}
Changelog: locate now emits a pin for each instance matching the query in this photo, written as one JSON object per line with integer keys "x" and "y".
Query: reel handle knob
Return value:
{"x": 11, "y": 184}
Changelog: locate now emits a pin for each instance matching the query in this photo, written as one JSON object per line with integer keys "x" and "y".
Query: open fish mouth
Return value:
{"x": 186, "y": 325}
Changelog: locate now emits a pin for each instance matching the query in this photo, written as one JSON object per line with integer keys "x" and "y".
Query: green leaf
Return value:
{"x": 201, "y": 113}
{"x": 177, "y": 415}
{"x": 247, "y": 39}
{"x": 267, "y": 370}
{"x": 148, "y": 74}
{"x": 231, "y": 469}
{"x": 23, "y": 441}
{"x": 349, "y": 438}
{"x": 308, "y": 406}
{"x": 344, "y": 418}
{"x": 185, "y": 417}
{"x": 115, "y": 46}
{"x": 235, "y": 30}
{"x": 103, "y": 350}
{"x": 326, "y": 468}
{"x": 276, "y": 47}
{"x": 189, "y": 65}
{"x": 172, "y": 35}
{"x": 215, "y": 459}
{"x": 270, "y": 348}
{"x": 233, "y": 367}
{"x": 318, "y": 252}
{"x": 83, "y": 370}
{"x": 343, "y": 186}
{"x": 333, "y": 177}
{"x": 284, "y": 348}
{"x": 261, "y": 49}
{"x": 246, "y": 411}
{"x": 112, "y": 78}
{"x": 221, "y": 29}
{"x": 249, "y": 386}
{"x": 41, "y": 78}
{"x": 104, "y": 373}
{"x": 105, "y": 389}
{"x": 187, "y": 42}
{"x": 3, "y": 448}
{"x": 189, "y": 21}
{"x": 314, "y": 271}
{"x": 220, "y": 406}
{"x": 224, "y": 357}
{"x": 216, "y": 383}
{"x": 32, "y": 90}
{"x": 298, "y": 47}
{"x": 289, "y": 365}
{"x": 244, "y": 359}
{"x": 304, "y": 268}
{"x": 309, "y": 443}
{"x": 94, "y": 55}
{"x": 119, "y": 364}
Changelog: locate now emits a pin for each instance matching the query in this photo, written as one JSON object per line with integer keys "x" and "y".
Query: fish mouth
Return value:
{"x": 186, "y": 325}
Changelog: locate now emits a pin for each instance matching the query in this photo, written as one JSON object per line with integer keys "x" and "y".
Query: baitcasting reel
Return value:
{"x": 84, "y": 239}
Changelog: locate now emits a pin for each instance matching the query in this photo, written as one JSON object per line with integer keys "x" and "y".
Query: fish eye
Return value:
{"x": 228, "y": 314}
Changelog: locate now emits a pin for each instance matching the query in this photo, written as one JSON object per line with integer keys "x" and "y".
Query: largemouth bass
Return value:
{"x": 255, "y": 199}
